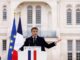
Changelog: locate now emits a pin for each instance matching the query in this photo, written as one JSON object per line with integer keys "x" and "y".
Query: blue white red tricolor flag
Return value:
{"x": 31, "y": 55}
{"x": 19, "y": 36}
{"x": 34, "y": 55}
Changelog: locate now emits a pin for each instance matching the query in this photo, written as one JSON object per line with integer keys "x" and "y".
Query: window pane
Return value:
{"x": 77, "y": 56}
{"x": 29, "y": 15}
{"x": 78, "y": 16}
{"x": 78, "y": 45}
{"x": 4, "y": 13}
{"x": 77, "y": 49}
{"x": 69, "y": 56}
{"x": 69, "y": 16}
{"x": 38, "y": 15}
{"x": 69, "y": 45}
{"x": 4, "y": 44}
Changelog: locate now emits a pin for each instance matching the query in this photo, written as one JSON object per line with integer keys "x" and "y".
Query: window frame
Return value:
{"x": 4, "y": 47}
{"x": 69, "y": 16}
{"x": 4, "y": 13}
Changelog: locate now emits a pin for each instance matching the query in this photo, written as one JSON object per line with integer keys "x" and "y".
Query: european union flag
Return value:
{"x": 12, "y": 41}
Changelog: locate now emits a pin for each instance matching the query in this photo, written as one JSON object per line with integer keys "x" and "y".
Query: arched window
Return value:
{"x": 69, "y": 16}
{"x": 38, "y": 14}
{"x": 78, "y": 16}
{"x": 29, "y": 14}
{"x": 4, "y": 13}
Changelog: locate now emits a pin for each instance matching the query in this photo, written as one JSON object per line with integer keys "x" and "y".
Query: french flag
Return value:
{"x": 29, "y": 56}
{"x": 34, "y": 55}
{"x": 19, "y": 36}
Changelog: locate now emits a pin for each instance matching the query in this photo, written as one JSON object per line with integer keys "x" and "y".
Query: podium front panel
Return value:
{"x": 32, "y": 53}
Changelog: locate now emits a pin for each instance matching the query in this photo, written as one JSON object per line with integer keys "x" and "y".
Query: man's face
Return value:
{"x": 34, "y": 32}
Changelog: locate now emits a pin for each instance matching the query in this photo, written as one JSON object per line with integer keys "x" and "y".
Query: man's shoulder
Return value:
{"x": 41, "y": 37}
{"x": 37, "y": 37}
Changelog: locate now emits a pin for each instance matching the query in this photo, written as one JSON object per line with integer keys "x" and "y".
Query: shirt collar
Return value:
{"x": 34, "y": 37}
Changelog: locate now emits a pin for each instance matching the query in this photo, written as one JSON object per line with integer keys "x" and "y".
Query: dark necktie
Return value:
{"x": 34, "y": 41}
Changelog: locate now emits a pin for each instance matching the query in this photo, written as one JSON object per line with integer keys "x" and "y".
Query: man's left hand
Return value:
{"x": 58, "y": 40}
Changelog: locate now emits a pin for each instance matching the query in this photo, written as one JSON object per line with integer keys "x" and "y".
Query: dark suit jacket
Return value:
{"x": 39, "y": 42}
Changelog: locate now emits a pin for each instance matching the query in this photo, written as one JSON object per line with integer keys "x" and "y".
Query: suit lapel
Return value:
{"x": 32, "y": 42}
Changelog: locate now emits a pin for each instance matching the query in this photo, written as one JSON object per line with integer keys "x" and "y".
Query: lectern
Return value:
{"x": 32, "y": 53}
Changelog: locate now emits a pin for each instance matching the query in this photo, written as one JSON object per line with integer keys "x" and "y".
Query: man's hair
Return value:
{"x": 34, "y": 28}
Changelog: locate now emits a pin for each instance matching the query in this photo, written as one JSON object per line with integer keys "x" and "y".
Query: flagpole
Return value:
{"x": 14, "y": 14}
{"x": 19, "y": 14}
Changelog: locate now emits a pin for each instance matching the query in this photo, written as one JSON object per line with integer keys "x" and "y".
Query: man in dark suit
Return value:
{"x": 36, "y": 40}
